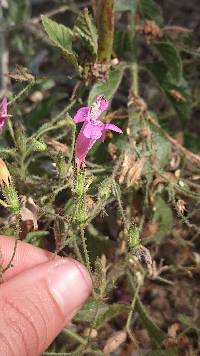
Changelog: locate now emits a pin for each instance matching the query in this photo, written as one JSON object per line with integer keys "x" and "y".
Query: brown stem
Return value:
{"x": 105, "y": 23}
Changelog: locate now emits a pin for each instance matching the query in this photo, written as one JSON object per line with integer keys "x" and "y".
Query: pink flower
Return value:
{"x": 3, "y": 112}
{"x": 93, "y": 129}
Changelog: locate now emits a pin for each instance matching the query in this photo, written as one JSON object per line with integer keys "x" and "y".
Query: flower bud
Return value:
{"x": 39, "y": 146}
{"x": 61, "y": 165}
{"x": 105, "y": 189}
{"x": 134, "y": 237}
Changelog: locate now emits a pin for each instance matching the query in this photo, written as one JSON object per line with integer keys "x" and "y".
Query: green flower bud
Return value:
{"x": 61, "y": 165}
{"x": 105, "y": 189}
{"x": 134, "y": 237}
{"x": 38, "y": 145}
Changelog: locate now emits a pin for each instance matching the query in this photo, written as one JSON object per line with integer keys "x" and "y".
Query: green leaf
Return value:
{"x": 61, "y": 37}
{"x": 162, "y": 147}
{"x": 19, "y": 11}
{"x": 171, "y": 351}
{"x": 171, "y": 58}
{"x": 167, "y": 83}
{"x": 154, "y": 331}
{"x": 107, "y": 88}
{"x": 186, "y": 321}
{"x": 86, "y": 31}
{"x": 151, "y": 10}
{"x": 126, "y": 5}
{"x": 105, "y": 312}
{"x": 163, "y": 216}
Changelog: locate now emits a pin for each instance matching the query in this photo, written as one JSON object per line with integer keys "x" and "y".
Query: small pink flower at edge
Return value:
{"x": 3, "y": 112}
{"x": 93, "y": 129}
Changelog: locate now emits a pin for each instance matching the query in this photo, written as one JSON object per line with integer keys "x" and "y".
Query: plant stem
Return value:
{"x": 105, "y": 24}
{"x": 85, "y": 251}
{"x": 15, "y": 246}
{"x": 75, "y": 336}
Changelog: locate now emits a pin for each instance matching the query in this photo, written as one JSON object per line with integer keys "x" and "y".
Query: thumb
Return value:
{"x": 36, "y": 305}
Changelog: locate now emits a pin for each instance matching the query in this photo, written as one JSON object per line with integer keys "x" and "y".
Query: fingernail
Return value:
{"x": 70, "y": 285}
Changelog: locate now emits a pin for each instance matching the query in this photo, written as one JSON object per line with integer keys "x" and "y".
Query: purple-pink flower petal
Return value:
{"x": 102, "y": 103}
{"x": 113, "y": 128}
{"x": 81, "y": 115}
{"x": 3, "y": 112}
{"x": 93, "y": 130}
{"x": 83, "y": 145}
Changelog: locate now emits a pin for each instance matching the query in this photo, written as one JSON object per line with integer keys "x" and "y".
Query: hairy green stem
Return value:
{"x": 75, "y": 336}
{"x": 85, "y": 251}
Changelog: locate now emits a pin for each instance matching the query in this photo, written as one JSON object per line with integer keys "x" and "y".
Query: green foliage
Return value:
{"x": 109, "y": 87}
{"x": 163, "y": 216}
{"x": 167, "y": 83}
{"x": 86, "y": 31}
{"x": 154, "y": 331}
{"x": 18, "y": 11}
{"x": 171, "y": 59}
{"x": 105, "y": 312}
{"x": 61, "y": 37}
{"x": 126, "y": 5}
{"x": 151, "y": 10}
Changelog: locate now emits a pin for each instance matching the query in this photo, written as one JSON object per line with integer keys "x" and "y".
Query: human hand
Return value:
{"x": 39, "y": 295}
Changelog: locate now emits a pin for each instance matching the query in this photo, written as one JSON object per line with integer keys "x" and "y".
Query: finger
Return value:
{"x": 36, "y": 305}
{"x": 26, "y": 256}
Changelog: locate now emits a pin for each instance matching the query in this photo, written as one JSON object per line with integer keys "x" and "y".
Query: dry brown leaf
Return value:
{"x": 143, "y": 255}
{"x": 181, "y": 206}
{"x": 150, "y": 230}
{"x": 177, "y": 95}
{"x": 29, "y": 212}
{"x": 131, "y": 169}
{"x": 166, "y": 177}
{"x": 89, "y": 202}
{"x": 138, "y": 103}
{"x": 58, "y": 146}
{"x": 21, "y": 74}
{"x": 91, "y": 333}
{"x": 112, "y": 150}
{"x": 135, "y": 172}
{"x": 114, "y": 341}
{"x": 173, "y": 329}
{"x": 36, "y": 96}
{"x": 150, "y": 30}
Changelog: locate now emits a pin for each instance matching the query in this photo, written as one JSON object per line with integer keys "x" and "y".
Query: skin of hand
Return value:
{"x": 39, "y": 295}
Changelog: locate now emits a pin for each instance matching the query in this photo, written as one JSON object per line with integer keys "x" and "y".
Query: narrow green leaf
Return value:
{"x": 151, "y": 10}
{"x": 105, "y": 312}
{"x": 163, "y": 216}
{"x": 112, "y": 311}
{"x": 171, "y": 58}
{"x": 61, "y": 37}
{"x": 107, "y": 88}
{"x": 86, "y": 31}
{"x": 126, "y": 5}
{"x": 154, "y": 331}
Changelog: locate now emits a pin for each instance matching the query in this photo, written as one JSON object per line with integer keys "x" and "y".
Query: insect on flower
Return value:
{"x": 93, "y": 129}
{"x": 3, "y": 112}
